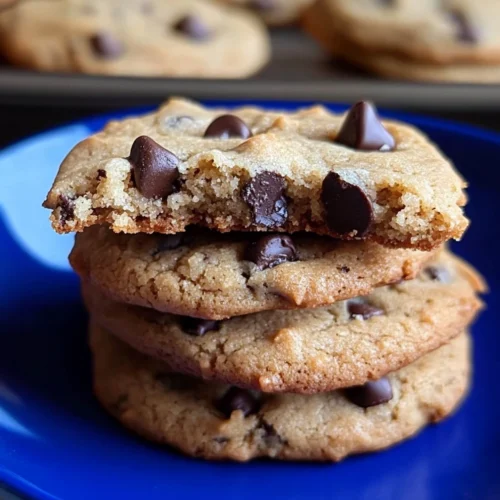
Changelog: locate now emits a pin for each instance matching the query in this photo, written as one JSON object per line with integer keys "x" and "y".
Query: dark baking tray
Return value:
{"x": 299, "y": 70}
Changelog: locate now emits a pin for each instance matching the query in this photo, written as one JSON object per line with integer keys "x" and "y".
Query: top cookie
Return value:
{"x": 346, "y": 176}
{"x": 440, "y": 31}
{"x": 182, "y": 38}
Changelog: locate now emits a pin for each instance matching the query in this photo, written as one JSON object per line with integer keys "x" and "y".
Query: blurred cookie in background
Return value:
{"x": 396, "y": 66}
{"x": 455, "y": 40}
{"x": 179, "y": 38}
{"x": 275, "y": 12}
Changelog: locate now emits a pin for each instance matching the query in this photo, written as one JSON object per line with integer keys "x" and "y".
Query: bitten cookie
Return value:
{"x": 434, "y": 31}
{"x": 311, "y": 350}
{"x": 274, "y": 12}
{"x": 210, "y": 275}
{"x": 348, "y": 176}
{"x": 180, "y": 38}
{"x": 219, "y": 422}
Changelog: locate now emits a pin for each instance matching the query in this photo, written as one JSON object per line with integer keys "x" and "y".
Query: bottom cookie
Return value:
{"x": 215, "y": 421}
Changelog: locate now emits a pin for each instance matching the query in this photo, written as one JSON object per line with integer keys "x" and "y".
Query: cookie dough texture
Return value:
{"x": 432, "y": 31}
{"x": 274, "y": 12}
{"x": 312, "y": 350}
{"x": 57, "y": 35}
{"x": 142, "y": 395}
{"x": 415, "y": 192}
{"x": 208, "y": 277}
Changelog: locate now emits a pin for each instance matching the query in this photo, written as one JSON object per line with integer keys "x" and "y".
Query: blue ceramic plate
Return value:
{"x": 57, "y": 443}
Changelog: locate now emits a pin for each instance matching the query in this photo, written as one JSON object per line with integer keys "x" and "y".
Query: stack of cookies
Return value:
{"x": 270, "y": 284}
{"x": 435, "y": 40}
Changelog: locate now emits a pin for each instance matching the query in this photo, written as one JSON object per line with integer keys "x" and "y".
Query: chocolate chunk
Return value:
{"x": 348, "y": 209}
{"x": 238, "y": 399}
{"x": 264, "y": 194}
{"x": 438, "y": 273}
{"x": 177, "y": 381}
{"x": 194, "y": 27}
{"x": 67, "y": 209}
{"x": 168, "y": 242}
{"x": 263, "y": 5}
{"x": 270, "y": 250}
{"x": 154, "y": 168}
{"x": 226, "y": 126}
{"x": 370, "y": 394}
{"x": 363, "y": 130}
{"x": 106, "y": 45}
{"x": 363, "y": 309}
{"x": 198, "y": 327}
{"x": 465, "y": 31}
{"x": 101, "y": 174}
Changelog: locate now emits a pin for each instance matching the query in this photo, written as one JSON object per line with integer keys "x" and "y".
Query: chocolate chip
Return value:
{"x": 465, "y": 31}
{"x": 270, "y": 250}
{"x": 168, "y": 242}
{"x": 263, "y": 5}
{"x": 154, "y": 168}
{"x": 101, "y": 174}
{"x": 270, "y": 435}
{"x": 363, "y": 130}
{"x": 363, "y": 309}
{"x": 106, "y": 45}
{"x": 370, "y": 394}
{"x": 343, "y": 269}
{"x": 67, "y": 209}
{"x": 198, "y": 327}
{"x": 348, "y": 209}
{"x": 226, "y": 126}
{"x": 177, "y": 381}
{"x": 264, "y": 194}
{"x": 438, "y": 273}
{"x": 193, "y": 27}
{"x": 238, "y": 399}
{"x": 221, "y": 439}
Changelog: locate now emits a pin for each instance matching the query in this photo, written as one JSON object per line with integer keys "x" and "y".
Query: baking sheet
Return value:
{"x": 299, "y": 70}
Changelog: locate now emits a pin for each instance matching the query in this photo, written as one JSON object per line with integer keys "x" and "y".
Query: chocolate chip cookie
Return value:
{"x": 210, "y": 275}
{"x": 274, "y": 12}
{"x": 348, "y": 176}
{"x": 394, "y": 66}
{"x": 435, "y": 31}
{"x": 312, "y": 350}
{"x": 214, "y": 421}
{"x": 180, "y": 38}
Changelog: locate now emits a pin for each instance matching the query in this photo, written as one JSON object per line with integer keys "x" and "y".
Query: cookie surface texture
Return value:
{"x": 312, "y": 350}
{"x": 200, "y": 418}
